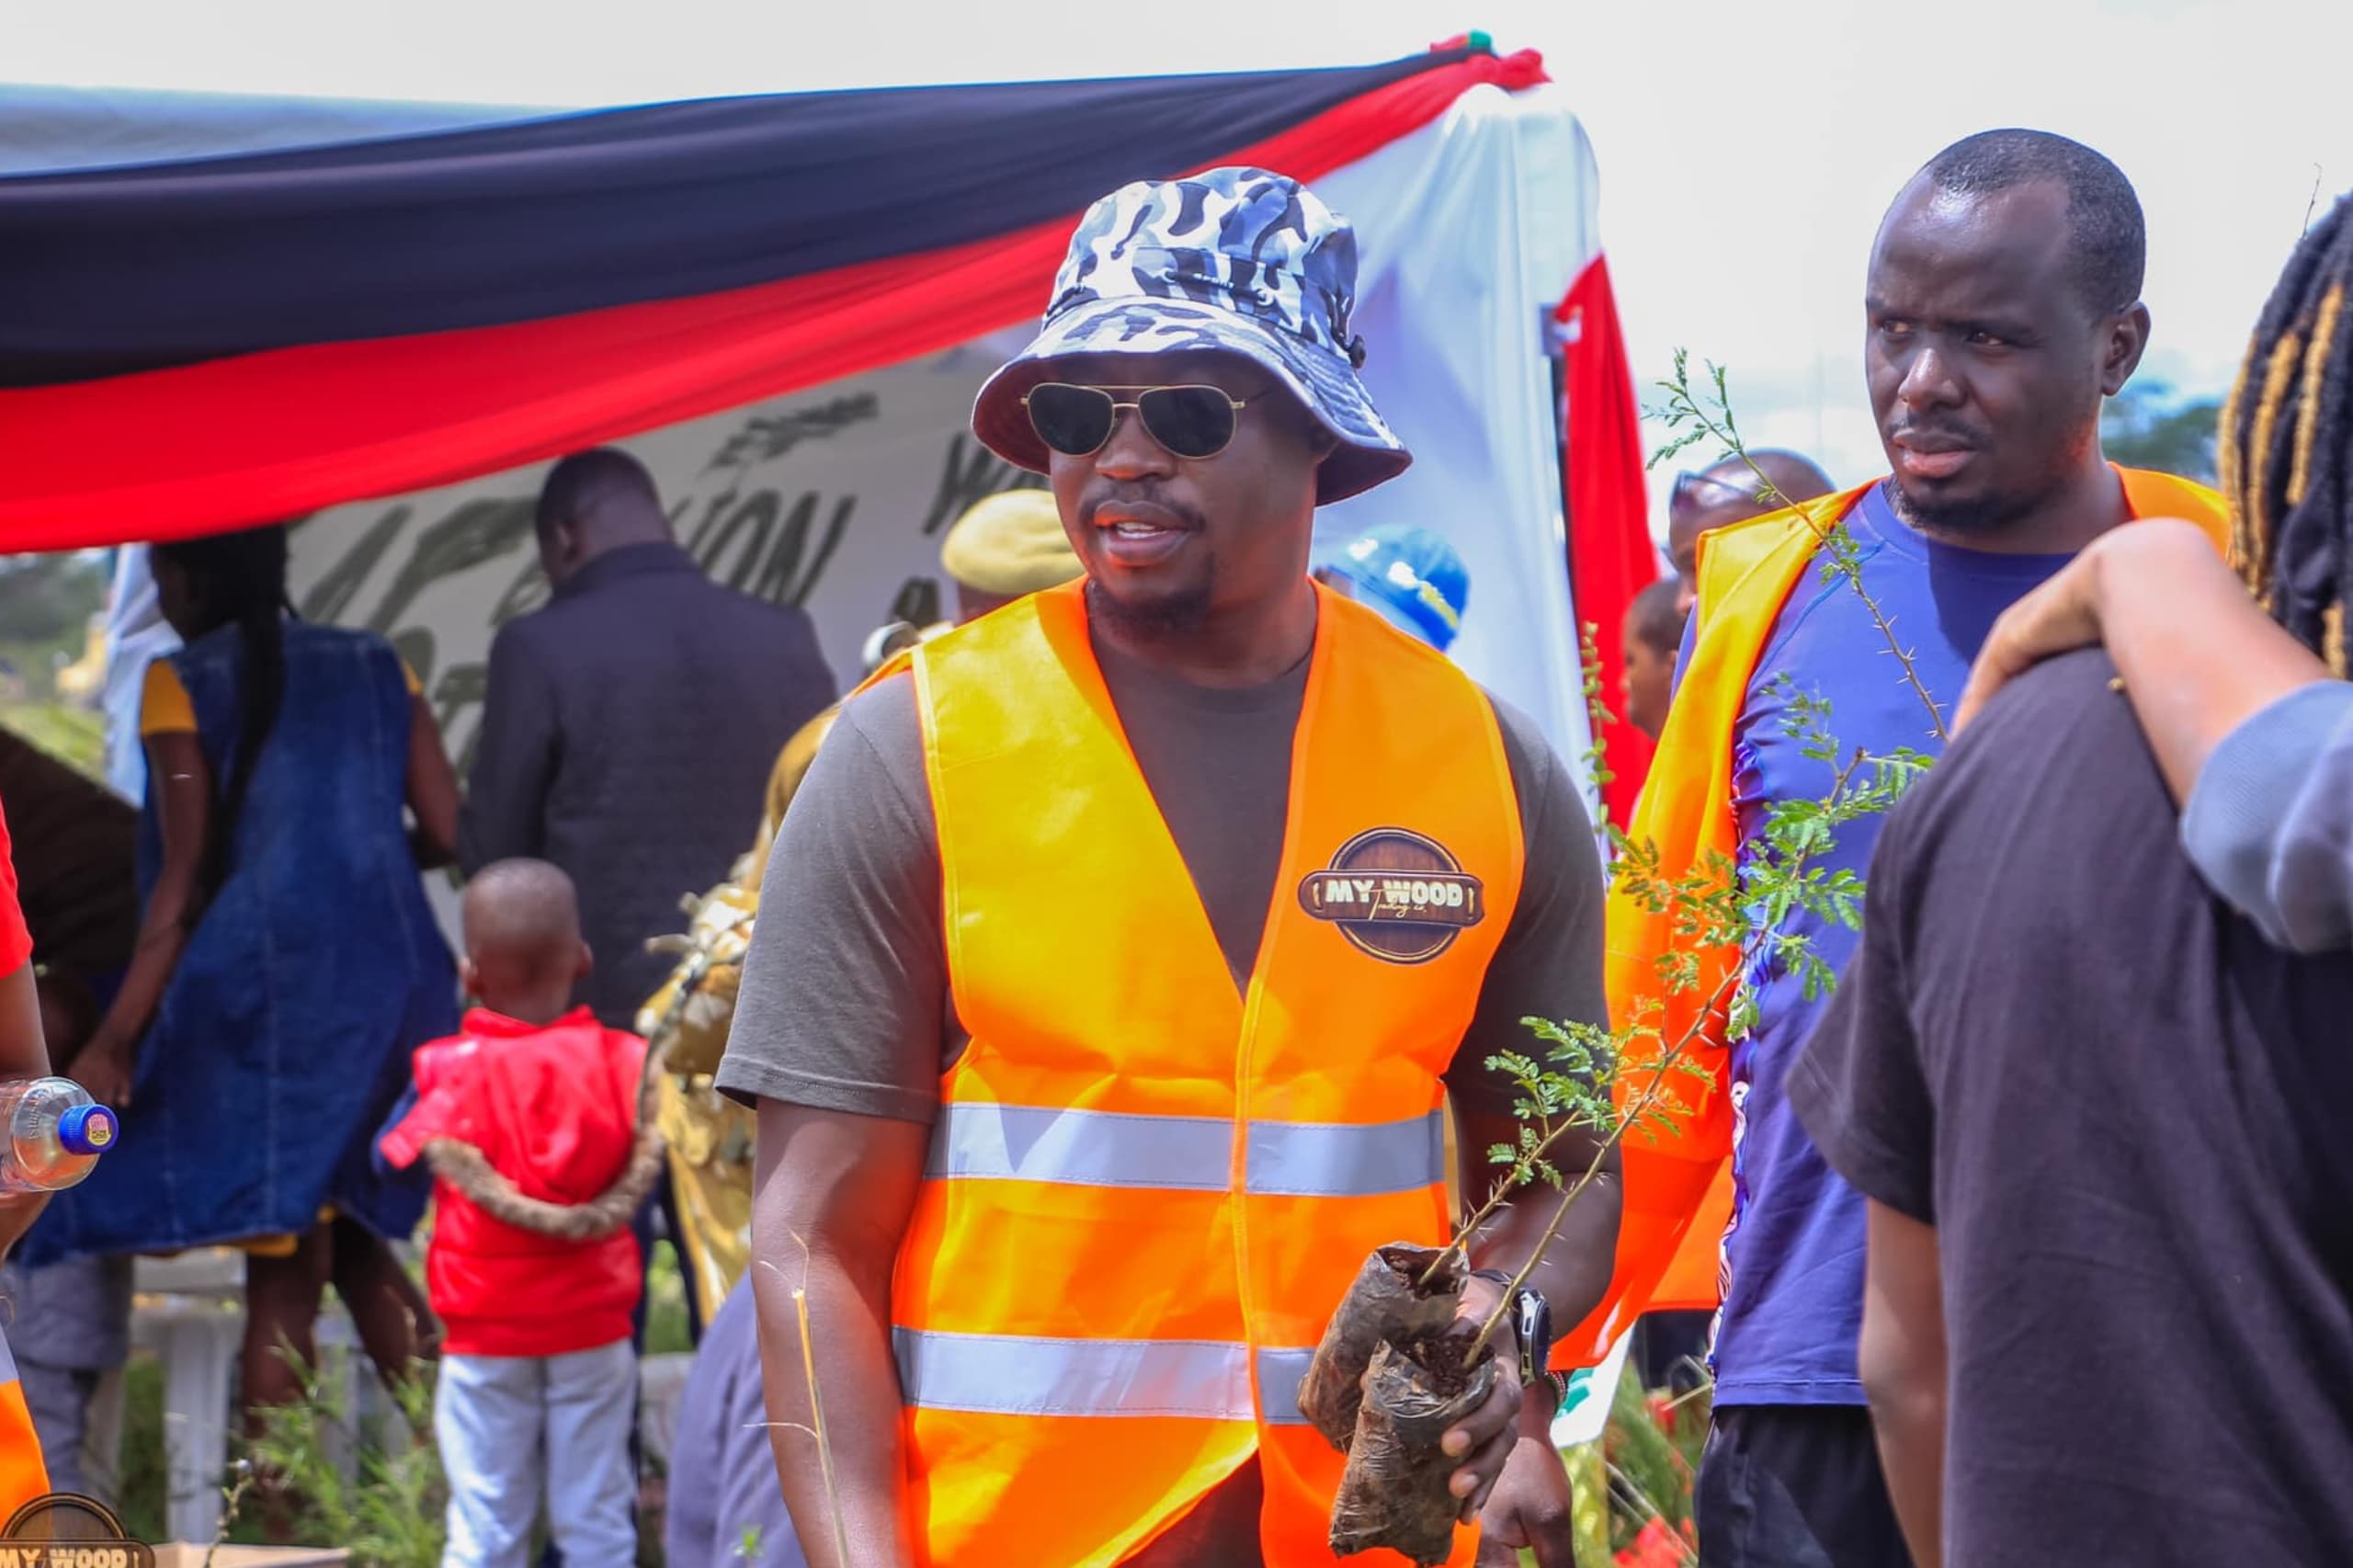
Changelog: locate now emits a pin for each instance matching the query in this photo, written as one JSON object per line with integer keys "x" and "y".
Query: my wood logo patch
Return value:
{"x": 1398, "y": 895}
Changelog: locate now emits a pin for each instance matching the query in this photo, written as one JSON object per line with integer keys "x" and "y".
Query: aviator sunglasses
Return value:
{"x": 1190, "y": 421}
{"x": 1688, "y": 482}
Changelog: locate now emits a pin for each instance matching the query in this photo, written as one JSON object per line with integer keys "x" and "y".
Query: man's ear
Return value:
{"x": 557, "y": 542}
{"x": 2128, "y": 339}
{"x": 1310, "y": 431}
{"x": 469, "y": 978}
{"x": 1321, "y": 445}
{"x": 585, "y": 963}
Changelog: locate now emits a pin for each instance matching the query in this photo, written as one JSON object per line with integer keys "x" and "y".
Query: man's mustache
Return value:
{"x": 1141, "y": 497}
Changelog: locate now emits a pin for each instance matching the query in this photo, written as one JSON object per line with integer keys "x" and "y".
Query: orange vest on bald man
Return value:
{"x": 1146, "y": 1191}
{"x": 1678, "y": 1186}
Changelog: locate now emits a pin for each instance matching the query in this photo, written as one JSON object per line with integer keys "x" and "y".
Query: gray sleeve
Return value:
{"x": 844, "y": 997}
{"x": 2270, "y": 819}
{"x": 1549, "y": 964}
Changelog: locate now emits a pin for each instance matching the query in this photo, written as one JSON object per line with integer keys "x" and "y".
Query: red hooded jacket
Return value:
{"x": 555, "y": 1110}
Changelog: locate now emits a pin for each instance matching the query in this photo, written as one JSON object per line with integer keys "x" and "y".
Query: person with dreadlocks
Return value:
{"x": 2253, "y": 728}
{"x": 2098, "y": 1119}
{"x": 2001, "y": 307}
{"x": 287, "y": 962}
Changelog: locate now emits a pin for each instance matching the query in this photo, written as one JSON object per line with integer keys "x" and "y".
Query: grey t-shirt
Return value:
{"x": 845, "y": 1002}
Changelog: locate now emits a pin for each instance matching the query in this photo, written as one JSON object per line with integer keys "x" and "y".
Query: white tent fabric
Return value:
{"x": 1472, "y": 232}
{"x": 136, "y": 637}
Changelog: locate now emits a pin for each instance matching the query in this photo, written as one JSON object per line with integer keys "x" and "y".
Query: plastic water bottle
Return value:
{"x": 54, "y": 1133}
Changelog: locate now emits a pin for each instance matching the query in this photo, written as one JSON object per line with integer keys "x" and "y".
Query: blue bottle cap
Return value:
{"x": 87, "y": 1129}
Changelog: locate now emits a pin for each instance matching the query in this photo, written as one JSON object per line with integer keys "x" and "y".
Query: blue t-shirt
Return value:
{"x": 1793, "y": 1256}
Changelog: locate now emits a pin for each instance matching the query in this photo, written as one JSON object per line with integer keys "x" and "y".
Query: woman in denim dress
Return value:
{"x": 288, "y": 963}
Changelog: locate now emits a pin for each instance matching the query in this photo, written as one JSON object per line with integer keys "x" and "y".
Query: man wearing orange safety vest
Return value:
{"x": 2002, "y": 306}
{"x": 1119, "y": 951}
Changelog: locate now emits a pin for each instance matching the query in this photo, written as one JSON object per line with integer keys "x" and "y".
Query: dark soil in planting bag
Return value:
{"x": 1384, "y": 1304}
{"x": 1393, "y": 1492}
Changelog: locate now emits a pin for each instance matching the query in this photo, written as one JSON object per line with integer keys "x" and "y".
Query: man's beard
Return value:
{"x": 1170, "y": 618}
{"x": 1978, "y": 517}
{"x": 1990, "y": 516}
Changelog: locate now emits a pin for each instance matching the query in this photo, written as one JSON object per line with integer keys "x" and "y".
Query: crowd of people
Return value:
{"x": 1158, "y": 930}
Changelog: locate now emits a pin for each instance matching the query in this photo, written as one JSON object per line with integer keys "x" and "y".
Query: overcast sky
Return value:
{"x": 1747, "y": 147}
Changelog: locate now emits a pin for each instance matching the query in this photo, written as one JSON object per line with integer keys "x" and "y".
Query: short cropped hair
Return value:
{"x": 2106, "y": 236}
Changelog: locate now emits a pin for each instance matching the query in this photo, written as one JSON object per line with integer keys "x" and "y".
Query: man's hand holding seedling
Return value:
{"x": 1515, "y": 1484}
{"x": 1484, "y": 1439}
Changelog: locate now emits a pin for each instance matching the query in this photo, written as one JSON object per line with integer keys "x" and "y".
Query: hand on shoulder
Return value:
{"x": 2165, "y": 562}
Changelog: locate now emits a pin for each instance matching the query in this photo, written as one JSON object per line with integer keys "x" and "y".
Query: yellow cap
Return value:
{"x": 1010, "y": 544}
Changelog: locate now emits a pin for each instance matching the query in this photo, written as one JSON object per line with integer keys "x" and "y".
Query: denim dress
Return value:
{"x": 284, "y": 1036}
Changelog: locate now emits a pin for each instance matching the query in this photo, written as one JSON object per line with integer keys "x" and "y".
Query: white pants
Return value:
{"x": 508, "y": 1423}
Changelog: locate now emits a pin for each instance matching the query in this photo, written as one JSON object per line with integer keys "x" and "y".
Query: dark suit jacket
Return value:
{"x": 627, "y": 736}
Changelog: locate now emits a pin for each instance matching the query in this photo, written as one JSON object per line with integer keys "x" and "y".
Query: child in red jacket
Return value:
{"x": 529, "y": 1121}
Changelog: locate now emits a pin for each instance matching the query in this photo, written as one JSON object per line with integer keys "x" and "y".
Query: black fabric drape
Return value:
{"x": 107, "y": 271}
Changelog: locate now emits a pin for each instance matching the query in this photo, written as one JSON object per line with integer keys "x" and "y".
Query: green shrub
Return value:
{"x": 391, "y": 1513}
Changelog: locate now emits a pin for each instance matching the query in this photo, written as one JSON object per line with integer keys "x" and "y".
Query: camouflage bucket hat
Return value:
{"x": 1234, "y": 261}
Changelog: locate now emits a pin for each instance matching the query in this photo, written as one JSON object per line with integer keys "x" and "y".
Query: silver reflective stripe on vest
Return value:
{"x": 1280, "y": 1373}
{"x": 1306, "y": 1159}
{"x": 978, "y": 1139}
{"x": 1008, "y": 1374}
{"x": 7, "y": 1361}
{"x": 1080, "y": 1148}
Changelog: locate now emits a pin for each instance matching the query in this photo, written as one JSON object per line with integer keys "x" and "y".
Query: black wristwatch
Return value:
{"x": 1531, "y": 1316}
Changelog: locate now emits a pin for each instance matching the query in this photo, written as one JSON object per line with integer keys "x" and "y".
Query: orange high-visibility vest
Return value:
{"x": 23, "y": 1475}
{"x": 1677, "y": 1196}
{"x": 1147, "y": 1192}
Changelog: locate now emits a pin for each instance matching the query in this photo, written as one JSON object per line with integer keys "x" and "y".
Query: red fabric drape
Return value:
{"x": 1611, "y": 557}
{"x": 170, "y": 453}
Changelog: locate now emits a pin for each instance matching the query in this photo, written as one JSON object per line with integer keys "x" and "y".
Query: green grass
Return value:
{"x": 144, "y": 1487}
{"x": 666, "y": 1304}
{"x": 73, "y": 735}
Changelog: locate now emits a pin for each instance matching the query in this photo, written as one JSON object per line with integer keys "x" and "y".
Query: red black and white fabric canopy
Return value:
{"x": 196, "y": 340}
{"x": 288, "y": 329}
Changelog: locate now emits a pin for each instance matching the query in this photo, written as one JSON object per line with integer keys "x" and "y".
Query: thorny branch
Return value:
{"x": 1683, "y": 407}
{"x": 1654, "y": 1100}
{"x": 1719, "y": 903}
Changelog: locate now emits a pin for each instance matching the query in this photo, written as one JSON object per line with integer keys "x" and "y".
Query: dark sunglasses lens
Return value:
{"x": 1192, "y": 421}
{"x": 1073, "y": 421}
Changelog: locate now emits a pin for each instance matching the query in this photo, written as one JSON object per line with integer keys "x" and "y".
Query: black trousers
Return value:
{"x": 1795, "y": 1486}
